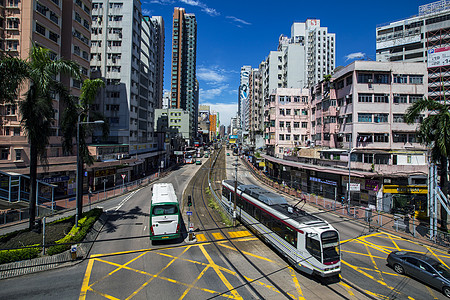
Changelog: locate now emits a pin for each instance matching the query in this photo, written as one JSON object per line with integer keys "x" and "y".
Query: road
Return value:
{"x": 222, "y": 262}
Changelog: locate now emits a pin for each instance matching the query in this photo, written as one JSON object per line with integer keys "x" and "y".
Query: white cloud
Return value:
{"x": 226, "y": 111}
{"x": 210, "y": 94}
{"x": 161, "y": 2}
{"x": 238, "y": 20}
{"x": 211, "y": 75}
{"x": 210, "y": 11}
{"x": 147, "y": 12}
{"x": 356, "y": 55}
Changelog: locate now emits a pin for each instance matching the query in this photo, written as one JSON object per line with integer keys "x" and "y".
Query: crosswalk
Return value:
{"x": 201, "y": 237}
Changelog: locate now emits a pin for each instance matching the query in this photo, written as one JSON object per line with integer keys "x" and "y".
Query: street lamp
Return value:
{"x": 79, "y": 194}
{"x": 348, "y": 187}
{"x": 236, "y": 164}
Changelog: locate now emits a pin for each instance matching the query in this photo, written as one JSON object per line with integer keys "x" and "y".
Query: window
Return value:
{"x": 18, "y": 154}
{"x": 77, "y": 17}
{"x": 382, "y": 159}
{"x": 412, "y": 138}
{"x": 368, "y": 158}
{"x": 281, "y": 124}
{"x": 296, "y": 99}
{"x": 416, "y": 79}
{"x": 380, "y": 118}
{"x": 40, "y": 29}
{"x": 381, "y": 137}
{"x": 282, "y": 111}
{"x": 348, "y": 80}
{"x": 400, "y": 138}
{"x": 41, "y": 8}
{"x": 398, "y": 118}
{"x": 364, "y": 97}
{"x": 381, "y": 98}
{"x": 304, "y": 124}
{"x": 296, "y": 124}
{"x": 4, "y": 154}
{"x": 400, "y": 78}
{"x": 296, "y": 137}
{"x": 349, "y": 118}
{"x": 362, "y": 117}
{"x": 288, "y": 112}
{"x": 400, "y": 98}
{"x": 16, "y": 131}
{"x": 288, "y": 137}
{"x": 381, "y": 78}
{"x": 54, "y": 18}
{"x": 313, "y": 247}
{"x": 281, "y": 137}
{"x": 364, "y": 78}
{"x": 415, "y": 98}
{"x": 53, "y": 36}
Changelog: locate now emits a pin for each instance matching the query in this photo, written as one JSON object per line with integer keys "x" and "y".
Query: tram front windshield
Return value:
{"x": 330, "y": 246}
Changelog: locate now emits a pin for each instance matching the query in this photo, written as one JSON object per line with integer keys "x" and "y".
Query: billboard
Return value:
{"x": 439, "y": 57}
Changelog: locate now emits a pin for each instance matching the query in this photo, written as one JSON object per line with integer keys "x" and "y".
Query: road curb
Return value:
{"x": 60, "y": 260}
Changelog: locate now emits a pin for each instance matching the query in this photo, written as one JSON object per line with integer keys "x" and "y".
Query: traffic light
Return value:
{"x": 189, "y": 202}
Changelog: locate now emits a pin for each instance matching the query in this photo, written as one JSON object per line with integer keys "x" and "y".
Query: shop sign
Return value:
{"x": 262, "y": 164}
{"x": 372, "y": 185}
{"x": 270, "y": 165}
{"x": 55, "y": 179}
{"x": 354, "y": 187}
{"x": 405, "y": 189}
{"x": 106, "y": 172}
{"x": 324, "y": 181}
{"x": 178, "y": 152}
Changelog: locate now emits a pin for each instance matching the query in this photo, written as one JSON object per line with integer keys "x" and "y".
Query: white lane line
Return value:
{"x": 125, "y": 200}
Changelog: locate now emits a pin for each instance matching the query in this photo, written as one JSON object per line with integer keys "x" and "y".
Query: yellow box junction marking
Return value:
{"x": 217, "y": 235}
{"x": 237, "y": 234}
{"x": 219, "y": 273}
{"x": 200, "y": 237}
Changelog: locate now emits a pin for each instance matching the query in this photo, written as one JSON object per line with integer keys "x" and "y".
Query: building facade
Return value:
{"x": 412, "y": 38}
{"x": 184, "y": 84}
{"x": 287, "y": 123}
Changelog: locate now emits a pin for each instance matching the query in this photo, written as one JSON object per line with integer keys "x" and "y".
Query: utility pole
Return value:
{"x": 235, "y": 193}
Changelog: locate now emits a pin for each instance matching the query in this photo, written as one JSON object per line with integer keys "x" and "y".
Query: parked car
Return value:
{"x": 228, "y": 153}
{"x": 421, "y": 267}
{"x": 198, "y": 162}
{"x": 206, "y": 155}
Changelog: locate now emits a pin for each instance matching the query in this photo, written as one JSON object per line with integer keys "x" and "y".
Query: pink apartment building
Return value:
{"x": 287, "y": 123}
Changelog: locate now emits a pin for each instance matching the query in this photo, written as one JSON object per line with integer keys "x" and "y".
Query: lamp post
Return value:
{"x": 79, "y": 194}
{"x": 235, "y": 192}
{"x": 348, "y": 187}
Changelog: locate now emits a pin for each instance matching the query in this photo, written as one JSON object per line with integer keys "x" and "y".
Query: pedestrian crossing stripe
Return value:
{"x": 200, "y": 237}
{"x": 217, "y": 235}
{"x": 237, "y": 234}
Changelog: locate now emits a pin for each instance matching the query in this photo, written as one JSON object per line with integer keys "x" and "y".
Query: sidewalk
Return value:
{"x": 411, "y": 230}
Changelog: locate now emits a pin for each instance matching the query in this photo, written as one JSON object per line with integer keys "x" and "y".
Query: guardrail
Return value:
{"x": 373, "y": 219}
{"x": 50, "y": 208}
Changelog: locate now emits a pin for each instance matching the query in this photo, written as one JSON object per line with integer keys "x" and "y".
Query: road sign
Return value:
{"x": 123, "y": 176}
{"x": 189, "y": 213}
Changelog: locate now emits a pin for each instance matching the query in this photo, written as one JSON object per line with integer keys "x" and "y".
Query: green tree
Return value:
{"x": 80, "y": 112}
{"x": 36, "y": 75}
{"x": 434, "y": 132}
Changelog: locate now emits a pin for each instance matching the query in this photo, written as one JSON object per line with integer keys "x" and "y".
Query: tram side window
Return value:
{"x": 257, "y": 214}
{"x": 239, "y": 202}
{"x": 277, "y": 227}
{"x": 313, "y": 247}
{"x": 265, "y": 219}
{"x": 226, "y": 194}
{"x": 290, "y": 236}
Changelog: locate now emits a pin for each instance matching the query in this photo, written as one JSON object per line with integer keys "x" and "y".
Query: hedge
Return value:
{"x": 75, "y": 235}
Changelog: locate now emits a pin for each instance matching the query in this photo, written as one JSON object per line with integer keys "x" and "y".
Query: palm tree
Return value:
{"x": 73, "y": 115}
{"x": 434, "y": 132}
{"x": 37, "y": 73}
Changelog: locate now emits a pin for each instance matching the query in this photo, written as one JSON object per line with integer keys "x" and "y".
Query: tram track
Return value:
{"x": 203, "y": 178}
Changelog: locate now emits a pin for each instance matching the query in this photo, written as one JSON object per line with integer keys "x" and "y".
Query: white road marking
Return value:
{"x": 116, "y": 208}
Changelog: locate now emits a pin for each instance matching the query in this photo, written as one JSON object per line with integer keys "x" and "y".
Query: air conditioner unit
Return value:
{"x": 119, "y": 156}
{"x": 338, "y": 108}
{"x": 347, "y": 96}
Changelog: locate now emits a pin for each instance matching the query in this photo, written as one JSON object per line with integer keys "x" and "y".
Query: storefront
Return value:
{"x": 405, "y": 198}
{"x": 324, "y": 184}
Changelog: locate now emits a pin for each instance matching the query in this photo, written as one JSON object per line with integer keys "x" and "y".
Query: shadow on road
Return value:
{"x": 117, "y": 215}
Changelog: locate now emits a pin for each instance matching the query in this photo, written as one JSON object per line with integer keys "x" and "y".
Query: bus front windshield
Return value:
{"x": 330, "y": 246}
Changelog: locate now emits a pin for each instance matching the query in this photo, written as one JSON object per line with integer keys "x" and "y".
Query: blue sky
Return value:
{"x": 233, "y": 33}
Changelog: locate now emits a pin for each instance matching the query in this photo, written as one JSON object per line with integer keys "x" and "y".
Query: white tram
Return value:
{"x": 308, "y": 242}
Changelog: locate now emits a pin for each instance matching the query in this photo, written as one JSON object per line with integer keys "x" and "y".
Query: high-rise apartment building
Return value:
{"x": 184, "y": 84}
{"x": 243, "y": 105}
{"x": 125, "y": 51}
{"x": 63, "y": 27}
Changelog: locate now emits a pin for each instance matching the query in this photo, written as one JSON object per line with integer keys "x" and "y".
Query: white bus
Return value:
{"x": 164, "y": 213}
